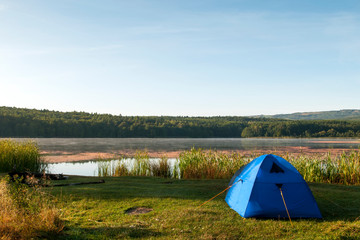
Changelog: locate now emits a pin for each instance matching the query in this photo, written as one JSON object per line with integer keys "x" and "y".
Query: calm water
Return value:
{"x": 78, "y": 145}
{"x": 89, "y": 168}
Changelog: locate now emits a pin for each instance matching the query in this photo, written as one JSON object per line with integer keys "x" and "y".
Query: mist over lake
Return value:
{"x": 76, "y": 145}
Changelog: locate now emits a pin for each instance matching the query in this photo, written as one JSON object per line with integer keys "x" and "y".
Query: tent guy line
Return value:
{"x": 219, "y": 193}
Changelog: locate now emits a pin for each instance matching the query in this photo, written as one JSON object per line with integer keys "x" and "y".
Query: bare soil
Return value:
{"x": 137, "y": 210}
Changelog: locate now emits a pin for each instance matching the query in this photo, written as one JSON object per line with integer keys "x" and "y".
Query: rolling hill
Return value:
{"x": 347, "y": 114}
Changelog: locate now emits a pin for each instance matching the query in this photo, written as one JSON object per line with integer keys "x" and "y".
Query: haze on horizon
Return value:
{"x": 181, "y": 57}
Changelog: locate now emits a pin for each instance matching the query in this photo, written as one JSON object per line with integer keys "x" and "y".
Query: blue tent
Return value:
{"x": 256, "y": 190}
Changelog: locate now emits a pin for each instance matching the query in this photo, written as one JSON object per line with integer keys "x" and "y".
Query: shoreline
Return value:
{"x": 62, "y": 156}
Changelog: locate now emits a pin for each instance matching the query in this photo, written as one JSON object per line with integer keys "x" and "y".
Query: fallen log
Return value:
{"x": 73, "y": 184}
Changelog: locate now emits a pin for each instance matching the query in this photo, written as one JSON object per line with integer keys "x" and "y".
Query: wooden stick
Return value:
{"x": 73, "y": 184}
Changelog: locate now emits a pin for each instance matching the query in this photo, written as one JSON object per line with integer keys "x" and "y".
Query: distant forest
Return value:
{"x": 20, "y": 122}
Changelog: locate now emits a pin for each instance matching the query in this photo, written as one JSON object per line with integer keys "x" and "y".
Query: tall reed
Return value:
{"x": 140, "y": 165}
{"x": 20, "y": 156}
{"x": 209, "y": 164}
{"x": 161, "y": 168}
{"x": 341, "y": 169}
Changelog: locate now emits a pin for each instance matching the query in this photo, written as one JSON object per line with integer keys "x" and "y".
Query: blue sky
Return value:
{"x": 180, "y": 58}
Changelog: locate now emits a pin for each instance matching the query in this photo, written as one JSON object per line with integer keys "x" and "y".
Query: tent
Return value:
{"x": 267, "y": 187}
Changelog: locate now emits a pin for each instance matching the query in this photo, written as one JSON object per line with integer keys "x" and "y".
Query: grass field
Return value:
{"x": 98, "y": 211}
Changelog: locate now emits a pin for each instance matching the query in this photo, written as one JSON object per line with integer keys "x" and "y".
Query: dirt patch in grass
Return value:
{"x": 137, "y": 210}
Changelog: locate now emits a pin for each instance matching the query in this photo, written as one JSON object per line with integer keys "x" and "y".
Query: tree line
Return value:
{"x": 20, "y": 122}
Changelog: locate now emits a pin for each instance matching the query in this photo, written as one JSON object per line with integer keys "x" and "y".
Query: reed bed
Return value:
{"x": 339, "y": 169}
{"x": 140, "y": 165}
{"x": 27, "y": 213}
{"x": 212, "y": 164}
{"x": 161, "y": 168}
{"x": 20, "y": 156}
{"x": 209, "y": 164}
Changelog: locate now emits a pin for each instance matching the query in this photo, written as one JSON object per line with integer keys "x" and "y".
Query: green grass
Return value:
{"x": 97, "y": 211}
{"x": 20, "y": 156}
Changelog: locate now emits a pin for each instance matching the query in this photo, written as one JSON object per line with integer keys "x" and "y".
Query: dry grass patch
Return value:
{"x": 26, "y": 212}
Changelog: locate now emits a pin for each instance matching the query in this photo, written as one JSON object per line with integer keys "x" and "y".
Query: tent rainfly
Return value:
{"x": 270, "y": 187}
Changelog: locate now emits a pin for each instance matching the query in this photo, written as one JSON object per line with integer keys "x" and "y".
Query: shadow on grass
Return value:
{"x": 337, "y": 202}
{"x": 108, "y": 233}
{"x": 117, "y": 188}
